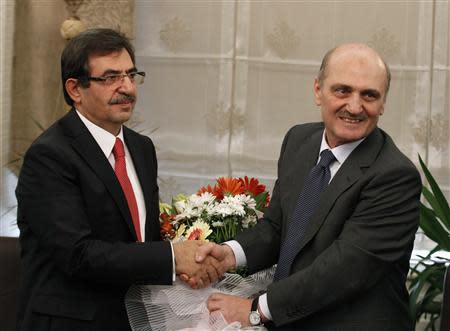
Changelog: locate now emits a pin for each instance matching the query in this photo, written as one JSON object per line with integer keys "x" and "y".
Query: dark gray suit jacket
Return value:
{"x": 351, "y": 266}
{"x": 79, "y": 250}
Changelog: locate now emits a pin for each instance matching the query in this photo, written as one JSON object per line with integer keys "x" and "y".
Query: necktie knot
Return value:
{"x": 326, "y": 157}
{"x": 118, "y": 150}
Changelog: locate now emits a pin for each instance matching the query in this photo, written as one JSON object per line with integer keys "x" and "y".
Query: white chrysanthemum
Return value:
{"x": 199, "y": 201}
{"x": 196, "y": 204}
{"x": 235, "y": 204}
{"x": 189, "y": 212}
{"x": 223, "y": 209}
{"x": 211, "y": 209}
{"x": 195, "y": 201}
{"x": 198, "y": 231}
{"x": 246, "y": 200}
{"x": 207, "y": 198}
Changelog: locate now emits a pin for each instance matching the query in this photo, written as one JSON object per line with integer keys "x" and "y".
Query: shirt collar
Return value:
{"x": 104, "y": 139}
{"x": 340, "y": 152}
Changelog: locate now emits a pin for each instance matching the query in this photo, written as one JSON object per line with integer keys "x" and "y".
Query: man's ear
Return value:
{"x": 317, "y": 92}
{"x": 73, "y": 89}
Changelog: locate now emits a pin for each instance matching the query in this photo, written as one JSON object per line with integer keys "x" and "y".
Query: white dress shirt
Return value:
{"x": 106, "y": 141}
{"x": 341, "y": 153}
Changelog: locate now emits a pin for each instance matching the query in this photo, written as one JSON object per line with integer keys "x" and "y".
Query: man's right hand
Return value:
{"x": 221, "y": 256}
{"x": 199, "y": 273}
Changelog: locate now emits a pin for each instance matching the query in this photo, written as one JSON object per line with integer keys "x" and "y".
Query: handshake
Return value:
{"x": 200, "y": 263}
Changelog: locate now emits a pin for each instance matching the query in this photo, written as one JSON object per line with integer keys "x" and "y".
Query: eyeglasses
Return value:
{"x": 135, "y": 77}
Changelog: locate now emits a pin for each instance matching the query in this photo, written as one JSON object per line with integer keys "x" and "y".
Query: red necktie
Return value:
{"x": 121, "y": 172}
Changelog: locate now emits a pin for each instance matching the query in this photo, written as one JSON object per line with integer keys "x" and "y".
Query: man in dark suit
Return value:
{"x": 351, "y": 256}
{"x": 88, "y": 209}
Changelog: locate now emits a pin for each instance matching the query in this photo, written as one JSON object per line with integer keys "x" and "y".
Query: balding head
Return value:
{"x": 351, "y": 91}
{"x": 353, "y": 49}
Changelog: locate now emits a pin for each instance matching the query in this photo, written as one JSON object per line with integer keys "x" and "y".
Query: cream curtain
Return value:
{"x": 226, "y": 79}
{"x": 36, "y": 89}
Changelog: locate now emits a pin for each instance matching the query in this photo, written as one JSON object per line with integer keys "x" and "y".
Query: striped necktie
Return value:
{"x": 307, "y": 203}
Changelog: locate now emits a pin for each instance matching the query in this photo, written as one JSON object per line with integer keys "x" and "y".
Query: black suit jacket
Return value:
{"x": 351, "y": 266}
{"x": 79, "y": 249}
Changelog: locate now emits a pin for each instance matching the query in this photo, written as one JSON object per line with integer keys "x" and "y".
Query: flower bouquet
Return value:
{"x": 214, "y": 214}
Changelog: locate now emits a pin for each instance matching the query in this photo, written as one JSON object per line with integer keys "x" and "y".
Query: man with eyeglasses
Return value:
{"x": 88, "y": 209}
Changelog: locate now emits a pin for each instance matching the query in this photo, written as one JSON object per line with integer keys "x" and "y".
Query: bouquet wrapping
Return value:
{"x": 178, "y": 307}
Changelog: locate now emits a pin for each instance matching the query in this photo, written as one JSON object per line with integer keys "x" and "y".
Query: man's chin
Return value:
{"x": 348, "y": 136}
{"x": 123, "y": 114}
{"x": 357, "y": 137}
{"x": 125, "y": 109}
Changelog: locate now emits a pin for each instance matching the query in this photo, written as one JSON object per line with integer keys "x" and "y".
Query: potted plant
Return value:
{"x": 427, "y": 276}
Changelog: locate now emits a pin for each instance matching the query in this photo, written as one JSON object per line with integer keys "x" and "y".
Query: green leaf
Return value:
{"x": 423, "y": 259}
{"x": 433, "y": 228}
{"x": 416, "y": 304}
{"x": 436, "y": 206}
{"x": 437, "y": 200}
{"x": 430, "y": 305}
{"x": 261, "y": 201}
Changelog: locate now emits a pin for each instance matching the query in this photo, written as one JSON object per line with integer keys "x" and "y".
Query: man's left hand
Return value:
{"x": 232, "y": 308}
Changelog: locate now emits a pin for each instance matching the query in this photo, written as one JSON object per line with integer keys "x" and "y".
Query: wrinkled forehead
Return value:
{"x": 358, "y": 65}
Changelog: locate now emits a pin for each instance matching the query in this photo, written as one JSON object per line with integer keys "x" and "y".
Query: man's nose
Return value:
{"x": 354, "y": 104}
{"x": 126, "y": 84}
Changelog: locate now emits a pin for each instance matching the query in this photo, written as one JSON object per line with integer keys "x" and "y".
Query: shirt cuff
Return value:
{"x": 241, "y": 260}
{"x": 174, "y": 275}
{"x": 264, "y": 307}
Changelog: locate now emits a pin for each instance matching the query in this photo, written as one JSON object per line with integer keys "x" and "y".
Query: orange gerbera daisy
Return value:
{"x": 166, "y": 227}
{"x": 252, "y": 186}
{"x": 229, "y": 186}
{"x": 209, "y": 189}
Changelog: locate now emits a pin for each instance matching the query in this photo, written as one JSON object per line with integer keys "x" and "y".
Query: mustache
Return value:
{"x": 346, "y": 114}
{"x": 122, "y": 98}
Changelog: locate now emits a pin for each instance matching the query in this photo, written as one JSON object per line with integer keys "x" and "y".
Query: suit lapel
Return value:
{"x": 144, "y": 171}
{"x": 305, "y": 159}
{"x": 89, "y": 150}
{"x": 350, "y": 171}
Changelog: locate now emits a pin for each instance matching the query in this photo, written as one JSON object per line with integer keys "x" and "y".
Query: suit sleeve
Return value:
{"x": 373, "y": 242}
{"x": 52, "y": 216}
{"x": 262, "y": 243}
